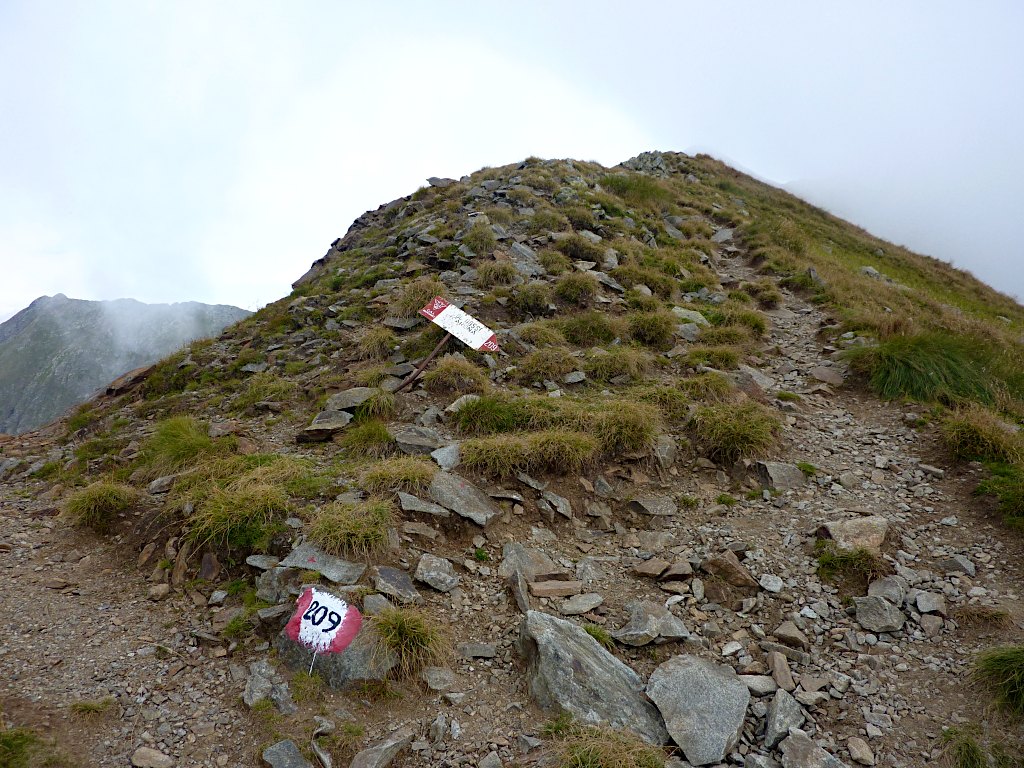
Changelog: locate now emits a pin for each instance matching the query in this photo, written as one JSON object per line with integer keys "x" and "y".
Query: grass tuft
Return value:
{"x": 1001, "y": 671}
{"x": 454, "y": 373}
{"x": 405, "y": 473}
{"x": 592, "y": 747}
{"x": 532, "y": 299}
{"x": 369, "y": 438}
{"x": 376, "y": 344}
{"x": 415, "y": 296}
{"x": 549, "y": 363}
{"x": 496, "y": 273}
{"x": 98, "y": 505}
{"x": 556, "y": 451}
{"x": 602, "y": 635}
{"x": 380, "y": 405}
{"x": 541, "y": 334}
{"x": 576, "y": 288}
{"x": 707, "y": 386}
{"x": 730, "y": 432}
{"x": 585, "y": 329}
{"x": 856, "y": 566}
{"x": 620, "y": 360}
{"x": 264, "y": 387}
{"x": 177, "y": 442}
{"x": 360, "y": 528}
{"x": 962, "y": 750}
{"x": 415, "y": 639}
{"x": 242, "y": 515}
{"x": 653, "y": 329}
{"x": 973, "y": 432}
{"x": 721, "y": 357}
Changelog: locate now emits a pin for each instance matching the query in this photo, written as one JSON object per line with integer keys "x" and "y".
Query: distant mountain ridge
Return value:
{"x": 57, "y": 351}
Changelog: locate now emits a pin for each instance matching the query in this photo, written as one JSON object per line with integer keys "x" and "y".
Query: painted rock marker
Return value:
{"x": 323, "y": 623}
{"x": 462, "y": 326}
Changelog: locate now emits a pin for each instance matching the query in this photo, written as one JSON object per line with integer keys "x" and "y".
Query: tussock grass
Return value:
{"x": 554, "y": 263}
{"x": 405, "y": 473}
{"x": 369, "y": 438}
{"x": 371, "y": 376}
{"x": 547, "y": 363}
{"x": 585, "y": 329}
{"x": 578, "y": 248}
{"x": 1001, "y": 672}
{"x": 973, "y": 432}
{"x": 721, "y": 357}
{"x": 264, "y": 387}
{"x": 177, "y": 442}
{"x": 930, "y": 367}
{"x": 242, "y": 515}
{"x": 359, "y": 529}
{"x": 579, "y": 217}
{"x": 961, "y": 749}
{"x": 532, "y": 299}
{"x": 653, "y": 329}
{"x": 414, "y": 638}
{"x": 618, "y": 361}
{"x": 541, "y": 334}
{"x": 380, "y": 405}
{"x": 631, "y": 275}
{"x": 622, "y": 426}
{"x": 98, "y": 505}
{"x": 491, "y": 414}
{"x": 1006, "y": 483}
{"x": 92, "y": 708}
{"x": 982, "y": 617}
{"x": 480, "y": 239}
{"x": 414, "y": 296}
{"x": 745, "y": 318}
{"x": 577, "y": 288}
{"x": 764, "y": 293}
{"x": 637, "y": 189}
{"x": 672, "y": 402}
{"x": 707, "y": 386}
{"x": 602, "y": 635}
{"x": 376, "y": 344}
{"x": 726, "y": 335}
{"x": 496, "y": 273}
{"x": 593, "y": 747}
{"x": 454, "y": 373}
{"x": 555, "y": 451}
{"x": 859, "y": 566}
{"x": 729, "y": 432}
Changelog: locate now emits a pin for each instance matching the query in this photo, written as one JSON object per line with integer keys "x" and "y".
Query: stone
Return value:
{"x": 438, "y": 678}
{"x": 892, "y": 588}
{"x": 414, "y": 440}
{"x": 437, "y": 572}
{"x": 263, "y": 562}
{"x": 568, "y": 671}
{"x": 722, "y": 235}
{"x": 147, "y": 757}
{"x": 447, "y": 457}
{"x": 650, "y": 622}
{"x": 580, "y": 604}
{"x": 434, "y": 181}
{"x": 461, "y": 402}
{"x": 759, "y": 685}
{"x": 463, "y": 498}
{"x": 534, "y": 564}
{"x": 561, "y": 504}
{"x": 703, "y": 705}
{"x": 799, "y": 751}
{"x": 350, "y": 399}
{"x": 374, "y": 604}
{"x": 931, "y": 602}
{"x": 691, "y": 316}
{"x": 209, "y": 567}
{"x": 858, "y": 533}
{"x": 780, "y": 476}
{"x": 324, "y": 426}
{"x": 158, "y": 592}
{"x": 260, "y": 683}
{"x": 274, "y": 585}
{"x": 790, "y": 634}
{"x": 653, "y": 505}
{"x": 556, "y": 588}
{"x": 876, "y": 614}
{"x": 771, "y": 583}
{"x": 380, "y": 755}
{"x": 784, "y": 712}
{"x": 307, "y": 557}
{"x": 652, "y": 568}
{"x": 860, "y": 752}
{"x": 827, "y": 374}
{"x": 727, "y": 567}
{"x": 410, "y": 503}
{"x": 360, "y": 662}
{"x": 665, "y": 451}
{"x": 161, "y": 484}
{"x": 931, "y": 624}
{"x": 957, "y": 564}
{"x": 781, "y": 673}
{"x": 396, "y": 583}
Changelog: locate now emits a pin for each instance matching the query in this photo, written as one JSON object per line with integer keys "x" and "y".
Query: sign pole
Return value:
{"x": 415, "y": 374}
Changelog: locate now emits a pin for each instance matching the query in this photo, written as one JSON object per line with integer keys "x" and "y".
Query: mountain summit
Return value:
{"x": 57, "y": 351}
{"x": 737, "y": 485}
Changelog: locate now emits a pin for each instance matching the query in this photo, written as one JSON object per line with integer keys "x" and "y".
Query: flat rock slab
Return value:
{"x": 799, "y": 751}
{"x": 380, "y": 755}
{"x": 415, "y": 440}
{"x": 147, "y": 757}
{"x": 653, "y": 505}
{"x": 556, "y": 588}
{"x": 580, "y": 604}
{"x": 859, "y": 533}
{"x": 784, "y": 712}
{"x": 876, "y": 614}
{"x": 703, "y": 705}
{"x": 285, "y": 754}
{"x": 396, "y": 583}
{"x": 437, "y": 572}
{"x": 650, "y": 622}
{"x": 534, "y": 564}
{"x": 727, "y": 567}
{"x": 691, "y": 316}
{"x": 324, "y": 426}
{"x": 568, "y": 670}
{"x": 463, "y": 498}
{"x": 410, "y": 503}
{"x": 780, "y": 476}
{"x": 310, "y": 558}
{"x": 350, "y": 398}
{"x": 827, "y": 374}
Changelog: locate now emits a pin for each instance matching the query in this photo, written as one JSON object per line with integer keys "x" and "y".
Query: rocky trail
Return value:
{"x": 705, "y": 575}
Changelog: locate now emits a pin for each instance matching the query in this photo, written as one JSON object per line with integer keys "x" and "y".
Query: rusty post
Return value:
{"x": 415, "y": 374}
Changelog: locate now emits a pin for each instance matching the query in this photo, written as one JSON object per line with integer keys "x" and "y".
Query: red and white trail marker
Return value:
{"x": 323, "y": 623}
{"x": 462, "y": 326}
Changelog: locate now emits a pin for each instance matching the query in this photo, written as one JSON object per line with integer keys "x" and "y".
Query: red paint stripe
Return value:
{"x": 435, "y": 307}
{"x": 292, "y": 627}
{"x": 348, "y": 630}
{"x": 491, "y": 345}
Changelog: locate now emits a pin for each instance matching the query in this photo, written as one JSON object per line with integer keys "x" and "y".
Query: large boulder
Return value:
{"x": 703, "y": 705}
{"x": 568, "y": 670}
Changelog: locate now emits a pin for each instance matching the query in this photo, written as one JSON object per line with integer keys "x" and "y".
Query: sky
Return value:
{"x": 211, "y": 151}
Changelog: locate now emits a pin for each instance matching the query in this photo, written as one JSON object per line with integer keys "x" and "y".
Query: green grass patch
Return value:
{"x": 377, "y": 344}
{"x": 548, "y": 363}
{"x": 585, "y": 329}
{"x": 480, "y": 239}
{"x": 726, "y": 433}
{"x": 578, "y": 248}
{"x": 707, "y": 386}
{"x": 541, "y": 334}
{"x": 854, "y": 567}
{"x": 369, "y": 439}
{"x": 454, "y": 373}
{"x": 578, "y": 288}
{"x": 720, "y": 357}
{"x": 653, "y": 329}
{"x": 637, "y": 189}
{"x": 264, "y": 387}
{"x": 404, "y": 473}
{"x": 532, "y": 298}
{"x": 414, "y": 296}
{"x": 555, "y": 451}
{"x": 496, "y": 273}
{"x": 353, "y": 528}
{"x": 961, "y": 749}
{"x": 1000, "y": 671}
{"x": 177, "y": 442}
{"x": 554, "y": 262}
{"x": 98, "y": 505}
{"x": 414, "y": 638}
{"x": 602, "y": 635}
{"x": 618, "y": 361}
{"x": 973, "y": 432}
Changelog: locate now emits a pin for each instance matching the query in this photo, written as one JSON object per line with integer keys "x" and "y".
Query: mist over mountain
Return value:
{"x": 58, "y": 351}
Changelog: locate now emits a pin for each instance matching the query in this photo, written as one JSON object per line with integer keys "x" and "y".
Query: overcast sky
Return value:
{"x": 210, "y": 151}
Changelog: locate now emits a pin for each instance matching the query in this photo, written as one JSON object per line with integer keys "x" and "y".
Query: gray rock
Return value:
{"x": 410, "y": 503}
{"x": 350, "y": 399}
{"x": 688, "y": 331}
{"x": 957, "y": 564}
{"x": 859, "y": 533}
{"x": 463, "y": 498}
{"x": 477, "y": 650}
{"x": 722, "y": 235}
{"x": 310, "y": 558}
{"x": 665, "y": 451}
{"x": 876, "y": 614}
{"x": 931, "y": 624}
{"x": 780, "y": 476}
{"x": 374, "y": 604}
{"x": 892, "y": 588}
{"x": 381, "y": 755}
{"x": 827, "y": 374}
{"x": 532, "y": 563}
{"x": 691, "y": 316}
{"x": 931, "y": 602}
{"x": 434, "y": 181}
{"x": 860, "y": 752}
{"x": 263, "y": 562}
{"x": 147, "y": 757}
{"x": 650, "y": 622}
{"x": 727, "y": 567}
{"x": 703, "y": 705}
{"x": 285, "y": 754}
{"x": 437, "y": 572}
{"x": 574, "y": 377}
{"x": 771, "y": 583}
{"x": 784, "y": 712}
{"x": 560, "y": 503}
{"x": 760, "y": 761}
{"x": 395, "y": 583}
{"x": 273, "y": 585}
{"x": 799, "y": 751}
{"x": 653, "y": 505}
{"x": 324, "y": 426}
{"x": 568, "y": 670}
{"x": 161, "y": 484}
{"x": 447, "y": 456}
{"x": 491, "y": 760}
{"x": 415, "y": 440}
{"x": 459, "y": 403}
{"x": 759, "y": 685}
{"x": 580, "y": 604}
{"x": 438, "y": 678}
{"x": 360, "y": 662}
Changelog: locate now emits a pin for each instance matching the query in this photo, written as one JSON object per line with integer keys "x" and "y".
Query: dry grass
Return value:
{"x": 454, "y": 373}
{"x": 720, "y": 357}
{"x": 369, "y": 439}
{"x": 593, "y": 747}
{"x": 177, "y": 442}
{"x": 480, "y": 239}
{"x": 541, "y": 334}
{"x": 414, "y": 638}
{"x": 726, "y": 433}
{"x": 707, "y": 386}
{"x": 377, "y": 344}
{"x": 1001, "y": 672}
{"x": 576, "y": 288}
{"x": 98, "y": 505}
{"x": 585, "y": 329}
{"x": 532, "y": 298}
{"x": 556, "y": 451}
{"x": 242, "y": 514}
{"x": 982, "y": 617}
{"x": 618, "y": 361}
{"x": 549, "y": 363}
{"x": 653, "y": 329}
{"x": 496, "y": 273}
{"x": 405, "y": 473}
{"x": 353, "y": 529}
{"x": 414, "y": 296}
{"x": 973, "y": 432}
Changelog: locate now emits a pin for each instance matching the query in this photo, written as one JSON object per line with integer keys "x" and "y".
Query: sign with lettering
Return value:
{"x": 323, "y": 623}
{"x": 462, "y": 326}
